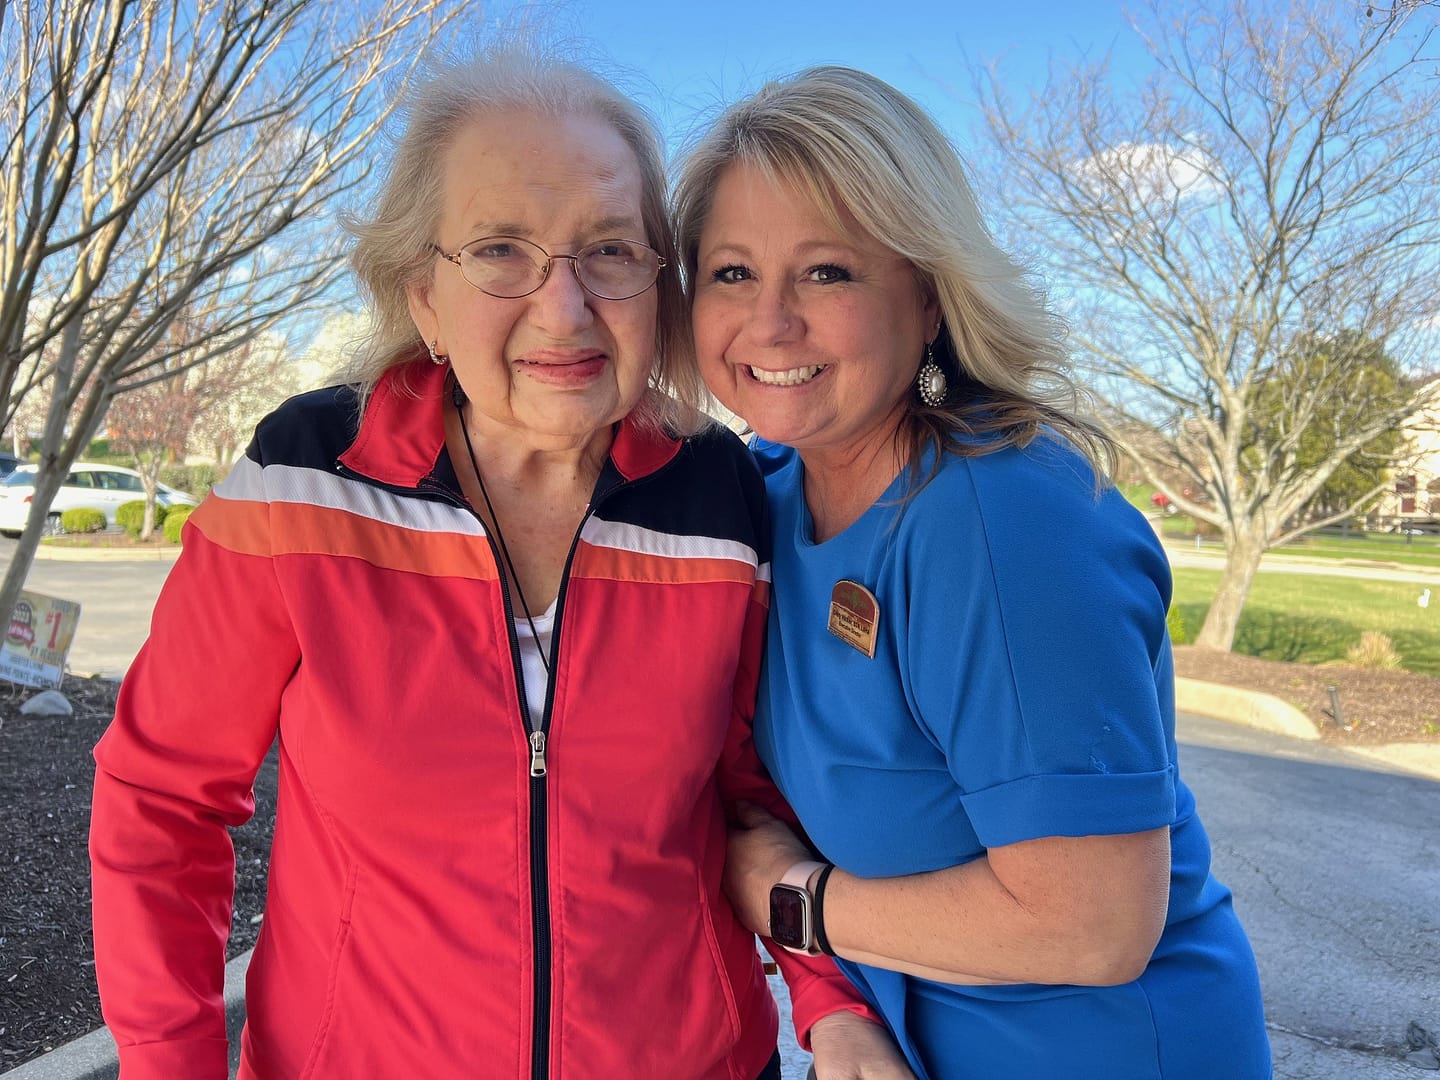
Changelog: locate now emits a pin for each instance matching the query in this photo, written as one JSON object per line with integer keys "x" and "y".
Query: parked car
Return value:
{"x": 103, "y": 487}
{"x": 9, "y": 463}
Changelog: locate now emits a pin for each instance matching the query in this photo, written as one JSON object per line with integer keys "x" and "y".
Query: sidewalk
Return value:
{"x": 1211, "y": 555}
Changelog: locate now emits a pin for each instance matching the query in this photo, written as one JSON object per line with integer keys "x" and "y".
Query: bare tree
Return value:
{"x": 164, "y": 157}
{"x": 1272, "y": 185}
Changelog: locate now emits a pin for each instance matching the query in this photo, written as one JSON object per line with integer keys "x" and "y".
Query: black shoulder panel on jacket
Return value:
{"x": 310, "y": 430}
{"x": 710, "y": 488}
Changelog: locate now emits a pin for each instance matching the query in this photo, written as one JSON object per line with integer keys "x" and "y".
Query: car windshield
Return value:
{"x": 20, "y": 478}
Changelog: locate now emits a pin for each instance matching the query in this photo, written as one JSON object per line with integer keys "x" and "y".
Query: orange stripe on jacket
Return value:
{"x": 281, "y": 528}
{"x": 617, "y": 564}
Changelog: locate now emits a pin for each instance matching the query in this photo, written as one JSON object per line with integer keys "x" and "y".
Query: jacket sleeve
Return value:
{"x": 174, "y": 771}
{"x": 817, "y": 986}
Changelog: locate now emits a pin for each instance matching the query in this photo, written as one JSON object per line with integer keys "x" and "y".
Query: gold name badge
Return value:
{"x": 855, "y": 616}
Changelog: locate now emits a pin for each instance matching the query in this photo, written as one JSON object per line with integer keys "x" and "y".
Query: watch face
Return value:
{"x": 790, "y": 917}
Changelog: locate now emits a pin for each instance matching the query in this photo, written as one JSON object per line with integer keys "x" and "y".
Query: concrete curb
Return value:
{"x": 1420, "y": 759}
{"x": 1246, "y": 707}
{"x": 100, "y": 554}
{"x": 93, "y": 1056}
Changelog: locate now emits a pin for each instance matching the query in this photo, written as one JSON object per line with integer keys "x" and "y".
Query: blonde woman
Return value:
{"x": 967, "y": 694}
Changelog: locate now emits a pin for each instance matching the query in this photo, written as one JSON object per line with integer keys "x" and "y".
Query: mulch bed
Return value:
{"x": 1376, "y": 706}
{"x": 47, "y": 975}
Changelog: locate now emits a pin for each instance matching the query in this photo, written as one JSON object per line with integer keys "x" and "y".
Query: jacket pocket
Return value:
{"x": 314, "y": 1060}
{"x": 717, "y": 959}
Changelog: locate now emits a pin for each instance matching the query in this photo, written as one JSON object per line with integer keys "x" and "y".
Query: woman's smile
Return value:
{"x": 796, "y": 376}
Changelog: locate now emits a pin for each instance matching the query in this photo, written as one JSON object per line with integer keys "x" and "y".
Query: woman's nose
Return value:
{"x": 774, "y": 318}
{"x": 561, "y": 304}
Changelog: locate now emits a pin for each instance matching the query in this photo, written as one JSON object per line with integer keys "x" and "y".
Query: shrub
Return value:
{"x": 82, "y": 519}
{"x": 1373, "y": 650}
{"x": 130, "y": 516}
{"x": 174, "y": 520}
{"x": 1176, "y": 624}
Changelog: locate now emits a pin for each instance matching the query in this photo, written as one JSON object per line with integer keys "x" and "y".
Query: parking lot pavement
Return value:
{"x": 115, "y": 596}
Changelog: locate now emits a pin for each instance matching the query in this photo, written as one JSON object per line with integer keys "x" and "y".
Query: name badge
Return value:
{"x": 855, "y": 616}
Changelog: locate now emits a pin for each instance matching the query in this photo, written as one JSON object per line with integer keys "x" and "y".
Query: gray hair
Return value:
{"x": 856, "y": 144}
{"x": 393, "y": 250}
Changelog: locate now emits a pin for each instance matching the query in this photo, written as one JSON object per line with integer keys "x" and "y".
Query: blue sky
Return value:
{"x": 689, "y": 58}
{"x": 686, "y": 60}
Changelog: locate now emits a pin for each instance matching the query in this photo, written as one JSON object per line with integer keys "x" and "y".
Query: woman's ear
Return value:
{"x": 422, "y": 312}
{"x": 932, "y": 315}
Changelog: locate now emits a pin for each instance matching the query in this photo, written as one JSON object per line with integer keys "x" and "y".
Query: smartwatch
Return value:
{"x": 792, "y": 910}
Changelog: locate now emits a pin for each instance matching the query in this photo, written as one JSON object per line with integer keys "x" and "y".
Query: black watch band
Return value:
{"x": 822, "y": 942}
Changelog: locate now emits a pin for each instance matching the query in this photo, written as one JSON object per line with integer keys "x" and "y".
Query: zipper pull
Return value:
{"x": 537, "y": 753}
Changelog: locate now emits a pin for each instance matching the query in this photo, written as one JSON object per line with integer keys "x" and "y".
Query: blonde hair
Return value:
{"x": 856, "y": 144}
{"x": 392, "y": 250}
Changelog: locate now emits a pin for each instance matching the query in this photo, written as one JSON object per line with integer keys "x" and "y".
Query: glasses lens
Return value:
{"x": 504, "y": 266}
{"x": 617, "y": 269}
{"x": 509, "y": 267}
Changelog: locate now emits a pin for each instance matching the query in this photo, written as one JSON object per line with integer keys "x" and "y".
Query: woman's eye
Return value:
{"x": 612, "y": 251}
{"x": 730, "y": 275}
{"x": 828, "y": 274}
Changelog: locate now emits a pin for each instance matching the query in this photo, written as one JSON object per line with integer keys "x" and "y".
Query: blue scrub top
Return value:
{"x": 1022, "y": 686}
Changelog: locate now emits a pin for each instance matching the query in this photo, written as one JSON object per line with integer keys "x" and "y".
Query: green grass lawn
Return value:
{"x": 1309, "y": 619}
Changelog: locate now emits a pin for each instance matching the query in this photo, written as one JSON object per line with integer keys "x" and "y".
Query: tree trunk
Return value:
{"x": 151, "y": 484}
{"x": 56, "y": 457}
{"x": 1242, "y": 559}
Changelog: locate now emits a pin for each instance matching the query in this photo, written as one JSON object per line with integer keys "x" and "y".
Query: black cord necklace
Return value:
{"x": 458, "y": 397}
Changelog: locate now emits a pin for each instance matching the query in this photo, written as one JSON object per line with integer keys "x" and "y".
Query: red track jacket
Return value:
{"x": 450, "y": 894}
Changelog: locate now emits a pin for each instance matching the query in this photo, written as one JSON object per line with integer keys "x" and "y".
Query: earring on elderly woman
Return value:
{"x": 435, "y": 358}
{"x": 931, "y": 382}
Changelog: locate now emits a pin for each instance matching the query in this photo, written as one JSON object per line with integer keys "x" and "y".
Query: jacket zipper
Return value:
{"x": 539, "y": 768}
{"x": 539, "y": 837}
{"x": 539, "y": 825}
{"x": 539, "y": 818}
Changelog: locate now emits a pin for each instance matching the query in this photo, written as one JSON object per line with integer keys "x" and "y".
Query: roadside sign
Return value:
{"x": 37, "y": 639}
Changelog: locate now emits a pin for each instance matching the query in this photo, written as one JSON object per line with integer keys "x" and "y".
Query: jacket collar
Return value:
{"x": 402, "y": 433}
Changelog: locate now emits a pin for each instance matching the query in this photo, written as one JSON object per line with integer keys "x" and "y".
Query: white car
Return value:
{"x": 103, "y": 487}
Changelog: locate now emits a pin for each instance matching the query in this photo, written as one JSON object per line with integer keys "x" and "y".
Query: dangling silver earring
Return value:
{"x": 931, "y": 381}
{"x": 436, "y": 358}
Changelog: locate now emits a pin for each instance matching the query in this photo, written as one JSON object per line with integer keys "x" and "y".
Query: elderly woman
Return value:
{"x": 972, "y": 714}
{"x": 502, "y": 603}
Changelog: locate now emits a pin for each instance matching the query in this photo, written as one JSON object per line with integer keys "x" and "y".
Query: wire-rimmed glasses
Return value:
{"x": 509, "y": 267}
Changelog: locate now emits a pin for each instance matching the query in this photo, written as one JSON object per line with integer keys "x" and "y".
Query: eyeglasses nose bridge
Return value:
{"x": 574, "y": 267}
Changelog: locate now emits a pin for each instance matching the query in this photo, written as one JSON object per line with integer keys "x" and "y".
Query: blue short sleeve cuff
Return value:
{"x": 1098, "y": 804}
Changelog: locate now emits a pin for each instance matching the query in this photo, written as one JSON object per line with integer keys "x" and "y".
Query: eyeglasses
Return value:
{"x": 509, "y": 268}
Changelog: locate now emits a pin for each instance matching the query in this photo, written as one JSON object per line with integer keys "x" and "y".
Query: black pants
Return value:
{"x": 772, "y": 1070}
